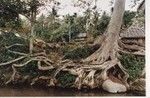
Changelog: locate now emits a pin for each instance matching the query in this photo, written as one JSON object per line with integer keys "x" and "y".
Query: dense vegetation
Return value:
{"x": 65, "y": 79}
{"x": 133, "y": 64}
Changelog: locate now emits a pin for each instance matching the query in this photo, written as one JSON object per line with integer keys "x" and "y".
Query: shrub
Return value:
{"x": 133, "y": 64}
{"x": 65, "y": 79}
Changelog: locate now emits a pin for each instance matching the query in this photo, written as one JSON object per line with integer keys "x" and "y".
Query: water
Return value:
{"x": 40, "y": 91}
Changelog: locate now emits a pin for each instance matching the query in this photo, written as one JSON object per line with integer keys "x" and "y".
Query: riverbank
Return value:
{"x": 44, "y": 68}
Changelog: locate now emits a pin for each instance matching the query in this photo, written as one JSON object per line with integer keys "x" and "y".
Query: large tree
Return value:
{"x": 107, "y": 55}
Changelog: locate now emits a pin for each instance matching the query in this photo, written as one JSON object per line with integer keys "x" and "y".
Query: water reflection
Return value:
{"x": 39, "y": 91}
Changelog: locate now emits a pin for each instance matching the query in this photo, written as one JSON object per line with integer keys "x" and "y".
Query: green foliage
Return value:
{"x": 102, "y": 24}
{"x": 6, "y": 56}
{"x": 50, "y": 30}
{"x": 76, "y": 24}
{"x": 65, "y": 79}
{"x": 80, "y": 52}
{"x": 133, "y": 64}
{"x": 15, "y": 24}
{"x": 9, "y": 13}
{"x": 10, "y": 10}
{"x": 45, "y": 28}
{"x": 7, "y": 39}
{"x": 59, "y": 33}
{"x": 81, "y": 22}
{"x": 55, "y": 31}
{"x": 127, "y": 19}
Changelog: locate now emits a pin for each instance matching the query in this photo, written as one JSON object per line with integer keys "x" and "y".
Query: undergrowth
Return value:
{"x": 133, "y": 64}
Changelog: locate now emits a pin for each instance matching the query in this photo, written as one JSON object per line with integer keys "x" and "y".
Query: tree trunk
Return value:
{"x": 109, "y": 47}
{"x": 33, "y": 20}
{"x": 106, "y": 57}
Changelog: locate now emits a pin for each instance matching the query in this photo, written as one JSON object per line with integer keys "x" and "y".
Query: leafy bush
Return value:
{"x": 65, "y": 79}
{"x": 133, "y": 64}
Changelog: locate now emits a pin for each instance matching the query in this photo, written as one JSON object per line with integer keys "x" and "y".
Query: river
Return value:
{"x": 45, "y": 91}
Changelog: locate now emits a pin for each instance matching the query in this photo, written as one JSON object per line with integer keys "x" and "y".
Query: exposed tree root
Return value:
{"x": 12, "y": 61}
{"x": 106, "y": 58}
{"x": 126, "y": 75}
{"x": 137, "y": 53}
{"x": 45, "y": 67}
{"x": 13, "y": 75}
{"x": 7, "y": 47}
{"x": 89, "y": 79}
{"x": 133, "y": 42}
{"x": 85, "y": 73}
{"x": 52, "y": 82}
{"x": 131, "y": 47}
{"x": 79, "y": 79}
{"x": 143, "y": 73}
{"x": 21, "y": 65}
{"x": 18, "y": 53}
{"x": 91, "y": 74}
